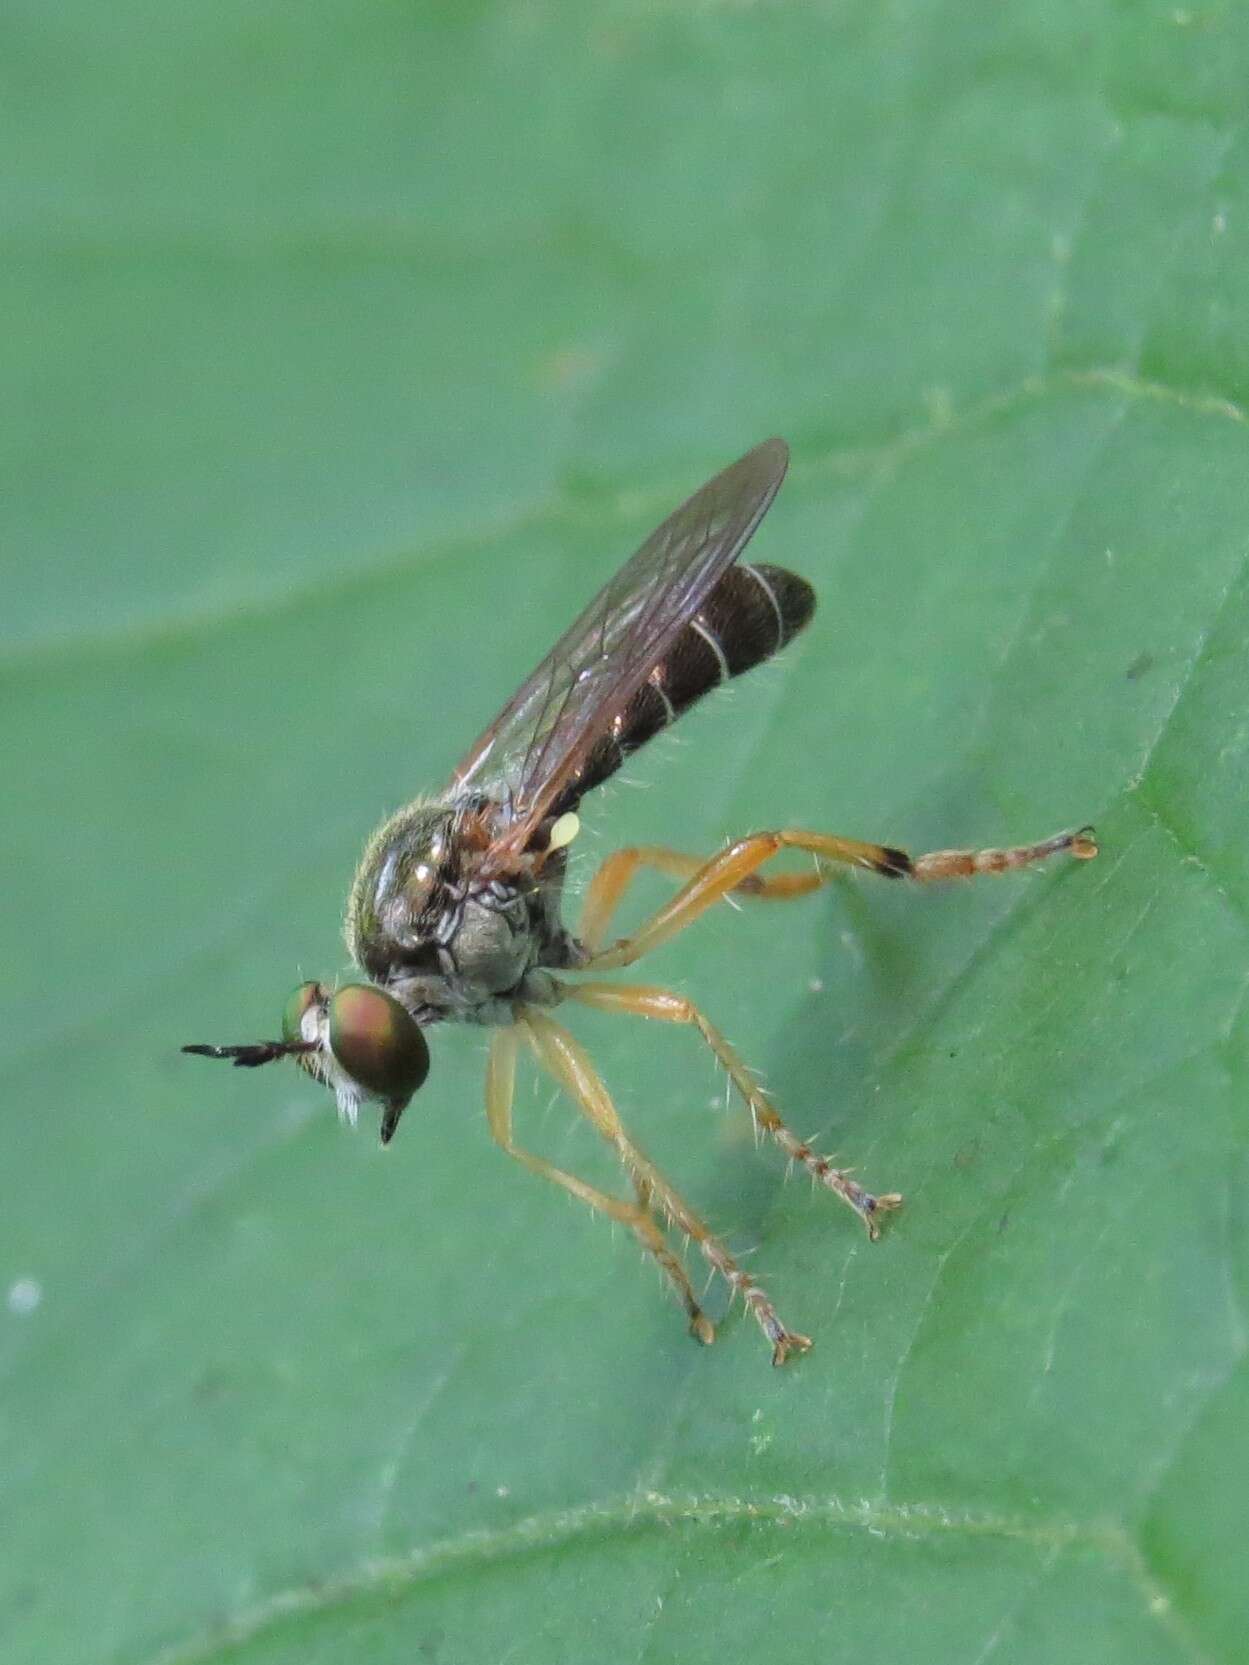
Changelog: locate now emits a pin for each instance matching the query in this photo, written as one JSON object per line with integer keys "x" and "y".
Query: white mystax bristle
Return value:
{"x": 348, "y": 1097}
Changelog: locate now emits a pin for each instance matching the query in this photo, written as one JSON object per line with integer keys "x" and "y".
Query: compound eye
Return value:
{"x": 305, "y": 996}
{"x": 378, "y": 1043}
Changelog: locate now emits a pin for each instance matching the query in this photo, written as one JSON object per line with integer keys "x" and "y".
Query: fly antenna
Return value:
{"x": 255, "y": 1053}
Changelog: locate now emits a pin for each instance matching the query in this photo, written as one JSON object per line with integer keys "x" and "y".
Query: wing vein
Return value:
{"x": 534, "y": 750}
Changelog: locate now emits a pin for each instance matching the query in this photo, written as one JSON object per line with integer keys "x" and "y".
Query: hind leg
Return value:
{"x": 734, "y": 870}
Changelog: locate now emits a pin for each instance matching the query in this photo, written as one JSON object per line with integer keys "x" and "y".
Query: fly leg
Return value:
{"x": 651, "y": 1234}
{"x": 666, "y": 1007}
{"x": 614, "y": 876}
{"x": 500, "y": 1082}
{"x": 566, "y": 1060}
{"x": 735, "y": 870}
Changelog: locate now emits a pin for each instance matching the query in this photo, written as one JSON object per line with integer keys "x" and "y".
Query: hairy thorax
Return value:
{"x": 447, "y": 942}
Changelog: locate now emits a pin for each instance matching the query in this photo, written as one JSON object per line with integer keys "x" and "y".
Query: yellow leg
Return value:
{"x": 614, "y": 877}
{"x": 567, "y": 1061}
{"x": 618, "y": 871}
{"x": 500, "y": 1083}
{"x": 734, "y": 869}
{"x": 660, "y": 1004}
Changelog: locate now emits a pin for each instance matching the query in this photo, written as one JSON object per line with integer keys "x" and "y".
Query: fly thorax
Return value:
{"x": 486, "y": 942}
{"x": 420, "y": 917}
{"x": 408, "y": 879}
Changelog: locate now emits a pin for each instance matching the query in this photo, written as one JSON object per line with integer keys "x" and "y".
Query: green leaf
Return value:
{"x": 350, "y": 347}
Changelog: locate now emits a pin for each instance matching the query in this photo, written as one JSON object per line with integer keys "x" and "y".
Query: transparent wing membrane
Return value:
{"x": 533, "y": 749}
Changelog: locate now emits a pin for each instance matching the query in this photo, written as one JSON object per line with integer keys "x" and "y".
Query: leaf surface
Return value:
{"x": 354, "y": 345}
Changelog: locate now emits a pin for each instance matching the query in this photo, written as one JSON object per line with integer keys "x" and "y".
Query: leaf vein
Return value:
{"x": 593, "y": 1522}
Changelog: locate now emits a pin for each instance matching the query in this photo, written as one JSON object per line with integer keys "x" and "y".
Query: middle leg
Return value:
{"x": 646, "y": 1001}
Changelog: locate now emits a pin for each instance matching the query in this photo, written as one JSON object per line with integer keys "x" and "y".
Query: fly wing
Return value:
{"x": 532, "y": 750}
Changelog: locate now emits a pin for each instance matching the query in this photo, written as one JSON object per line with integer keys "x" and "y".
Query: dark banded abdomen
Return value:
{"x": 750, "y": 614}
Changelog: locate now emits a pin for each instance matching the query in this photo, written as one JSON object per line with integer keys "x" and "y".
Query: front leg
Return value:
{"x": 500, "y": 1084}
{"x": 565, "y": 1059}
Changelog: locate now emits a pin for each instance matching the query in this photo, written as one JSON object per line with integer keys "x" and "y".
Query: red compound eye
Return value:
{"x": 376, "y": 1041}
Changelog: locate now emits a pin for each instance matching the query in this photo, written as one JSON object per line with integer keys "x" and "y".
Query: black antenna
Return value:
{"x": 250, "y": 1057}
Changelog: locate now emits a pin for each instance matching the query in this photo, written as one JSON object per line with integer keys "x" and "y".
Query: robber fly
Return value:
{"x": 454, "y": 913}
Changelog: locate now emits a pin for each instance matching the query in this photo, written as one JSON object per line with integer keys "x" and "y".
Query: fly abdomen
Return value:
{"x": 749, "y": 615}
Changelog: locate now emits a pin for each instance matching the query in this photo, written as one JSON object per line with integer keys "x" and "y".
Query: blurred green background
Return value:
{"x": 348, "y": 347}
